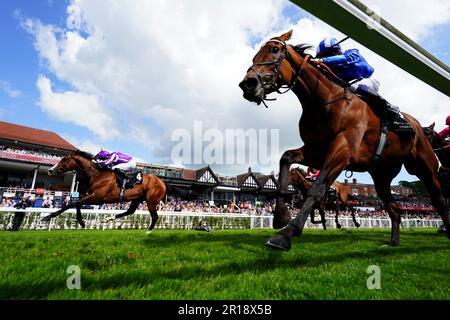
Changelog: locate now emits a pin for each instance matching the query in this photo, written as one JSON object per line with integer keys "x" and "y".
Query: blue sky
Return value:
{"x": 20, "y": 64}
{"x": 20, "y": 67}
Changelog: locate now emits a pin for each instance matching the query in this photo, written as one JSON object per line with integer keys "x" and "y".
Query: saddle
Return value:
{"x": 127, "y": 180}
{"x": 387, "y": 113}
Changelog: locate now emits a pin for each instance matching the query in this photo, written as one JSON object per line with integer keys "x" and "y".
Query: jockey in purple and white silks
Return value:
{"x": 117, "y": 161}
{"x": 350, "y": 65}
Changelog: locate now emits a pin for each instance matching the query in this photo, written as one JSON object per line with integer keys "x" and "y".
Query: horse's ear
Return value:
{"x": 285, "y": 37}
{"x": 432, "y": 126}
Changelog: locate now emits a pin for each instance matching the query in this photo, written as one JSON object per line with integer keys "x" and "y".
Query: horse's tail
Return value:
{"x": 171, "y": 189}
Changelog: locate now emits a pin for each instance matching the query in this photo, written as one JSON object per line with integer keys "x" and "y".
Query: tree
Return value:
{"x": 417, "y": 186}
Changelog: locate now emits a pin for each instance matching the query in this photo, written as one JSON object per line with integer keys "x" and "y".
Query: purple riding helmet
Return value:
{"x": 103, "y": 155}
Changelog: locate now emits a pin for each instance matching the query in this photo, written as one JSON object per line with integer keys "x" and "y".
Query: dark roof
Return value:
{"x": 262, "y": 180}
{"x": 242, "y": 177}
{"x": 15, "y": 132}
{"x": 200, "y": 172}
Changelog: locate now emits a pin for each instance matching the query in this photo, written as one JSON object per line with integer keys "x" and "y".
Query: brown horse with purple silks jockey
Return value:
{"x": 340, "y": 132}
{"x": 103, "y": 188}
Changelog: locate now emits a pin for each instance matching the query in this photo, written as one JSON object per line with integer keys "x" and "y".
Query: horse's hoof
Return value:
{"x": 338, "y": 226}
{"x": 357, "y": 225}
{"x": 82, "y": 224}
{"x": 279, "y": 242}
{"x": 149, "y": 231}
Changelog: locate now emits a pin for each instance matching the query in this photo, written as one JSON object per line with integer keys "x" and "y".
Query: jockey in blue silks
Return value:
{"x": 351, "y": 65}
{"x": 119, "y": 162}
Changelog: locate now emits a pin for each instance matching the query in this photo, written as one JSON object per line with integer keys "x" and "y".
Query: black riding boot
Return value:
{"x": 395, "y": 119}
{"x": 122, "y": 176}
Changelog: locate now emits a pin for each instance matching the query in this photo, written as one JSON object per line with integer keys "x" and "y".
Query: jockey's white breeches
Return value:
{"x": 130, "y": 165}
{"x": 369, "y": 84}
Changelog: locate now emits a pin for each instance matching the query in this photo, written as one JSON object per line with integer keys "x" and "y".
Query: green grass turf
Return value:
{"x": 128, "y": 264}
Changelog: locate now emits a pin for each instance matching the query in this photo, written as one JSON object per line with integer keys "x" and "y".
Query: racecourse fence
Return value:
{"x": 98, "y": 219}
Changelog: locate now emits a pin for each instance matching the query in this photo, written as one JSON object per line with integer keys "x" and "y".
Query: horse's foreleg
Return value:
{"x": 313, "y": 221}
{"x": 323, "y": 220}
{"x": 352, "y": 212}
{"x": 313, "y": 218}
{"x": 71, "y": 205}
{"x": 337, "y": 160}
{"x": 336, "y": 218}
{"x": 57, "y": 213}
{"x": 281, "y": 213}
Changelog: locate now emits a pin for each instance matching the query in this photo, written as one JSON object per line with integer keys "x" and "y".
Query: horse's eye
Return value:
{"x": 275, "y": 50}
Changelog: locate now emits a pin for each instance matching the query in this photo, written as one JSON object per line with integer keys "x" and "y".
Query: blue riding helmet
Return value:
{"x": 326, "y": 44}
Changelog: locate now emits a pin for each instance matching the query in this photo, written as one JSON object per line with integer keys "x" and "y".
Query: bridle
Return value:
{"x": 79, "y": 169}
{"x": 434, "y": 138}
{"x": 267, "y": 79}
{"x": 62, "y": 170}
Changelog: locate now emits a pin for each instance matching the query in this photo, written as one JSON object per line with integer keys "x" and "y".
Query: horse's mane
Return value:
{"x": 84, "y": 154}
{"x": 301, "y": 48}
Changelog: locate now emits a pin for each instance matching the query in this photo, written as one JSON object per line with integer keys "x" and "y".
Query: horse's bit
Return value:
{"x": 267, "y": 78}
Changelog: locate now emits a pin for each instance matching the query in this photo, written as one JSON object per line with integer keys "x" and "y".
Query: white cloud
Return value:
{"x": 414, "y": 18}
{"x": 9, "y": 90}
{"x": 161, "y": 65}
{"x": 82, "y": 109}
{"x": 82, "y": 144}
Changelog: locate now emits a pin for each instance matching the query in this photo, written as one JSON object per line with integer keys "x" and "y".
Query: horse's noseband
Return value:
{"x": 273, "y": 80}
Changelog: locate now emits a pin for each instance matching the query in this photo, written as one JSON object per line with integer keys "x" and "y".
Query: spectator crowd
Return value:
{"x": 200, "y": 206}
{"x": 32, "y": 153}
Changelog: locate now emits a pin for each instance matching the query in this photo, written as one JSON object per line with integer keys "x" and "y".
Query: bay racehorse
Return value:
{"x": 440, "y": 146}
{"x": 442, "y": 149}
{"x": 336, "y": 198}
{"x": 103, "y": 188}
{"x": 340, "y": 132}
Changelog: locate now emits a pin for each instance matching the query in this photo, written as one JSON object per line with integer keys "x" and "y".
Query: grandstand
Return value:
{"x": 25, "y": 156}
{"x": 27, "y": 153}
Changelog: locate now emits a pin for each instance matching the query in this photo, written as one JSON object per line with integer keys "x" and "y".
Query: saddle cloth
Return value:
{"x": 132, "y": 179}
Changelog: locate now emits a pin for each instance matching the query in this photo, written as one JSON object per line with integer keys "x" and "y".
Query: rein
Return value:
{"x": 80, "y": 169}
{"x": 435, "y": 140}
{"x": 267, "y": 79}
{"x": 443, "y": 148}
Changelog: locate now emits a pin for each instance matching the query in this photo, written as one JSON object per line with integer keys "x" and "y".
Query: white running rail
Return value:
{"x": 98, "y": 219}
